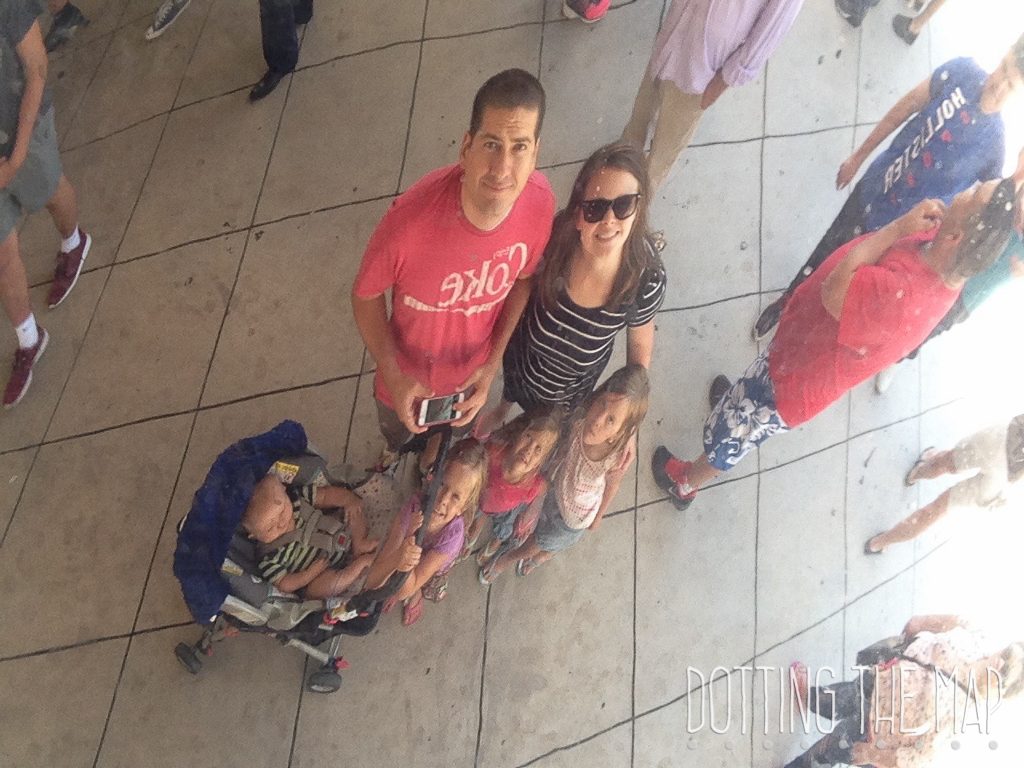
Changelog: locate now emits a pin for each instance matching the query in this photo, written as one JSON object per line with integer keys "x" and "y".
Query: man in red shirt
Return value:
{"x": 456, "y": 251}
{"x": 871, "y": 302}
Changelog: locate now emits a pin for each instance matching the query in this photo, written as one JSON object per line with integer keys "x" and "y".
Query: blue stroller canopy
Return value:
{"x": 217, "y": 508}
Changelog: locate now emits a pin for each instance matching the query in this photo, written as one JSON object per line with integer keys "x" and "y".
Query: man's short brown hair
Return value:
{"x": 508, "y": 90}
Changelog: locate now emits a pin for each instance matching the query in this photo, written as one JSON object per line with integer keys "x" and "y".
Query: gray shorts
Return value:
{"x": 984, "y": 451}
{"x": 395, "y": 433}
{"x": 553, "y": 535}
{"x": 37, "y": 180}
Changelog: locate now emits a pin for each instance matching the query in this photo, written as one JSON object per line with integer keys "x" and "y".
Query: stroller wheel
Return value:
{"x": 188, "y": 657}
{"x": 324, "y": 681}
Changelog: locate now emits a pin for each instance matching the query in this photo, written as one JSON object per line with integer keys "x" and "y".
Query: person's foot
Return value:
{"x": 486, "y": 575}
{"x": 914, "y": 474}
{"x": 266, "y": 85}
{"x": 769, "y": 318}
{"x": 901, "y": 26}
{"x": 670, "y": 475}
{"x": 411, "y": 612}
{"x": 883, "y": 380}
{"x": 798, "y": 673}
{"x": 851, "y": 11}
{"x": 21, "y": 371}
{"x": 716, "y": 392}
{"x": 65, "y": 23}
{"x": 69, "y": 267}
{"x": 486, "y": 554}
{"x": 587, "y": 11}
{"x": 873, "y": 546}
{"x": 526, "y": 566}
{"x": 165, "y": 15}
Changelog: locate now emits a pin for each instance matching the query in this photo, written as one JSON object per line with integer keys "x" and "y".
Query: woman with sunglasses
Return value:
{"x": 601, "y": 273}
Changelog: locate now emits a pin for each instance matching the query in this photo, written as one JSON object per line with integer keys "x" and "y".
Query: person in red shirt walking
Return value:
{"x": 872, "y": 301}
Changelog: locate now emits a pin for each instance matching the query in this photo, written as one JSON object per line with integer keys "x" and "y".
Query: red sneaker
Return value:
{"x": 587, "y": 11}
{"x": 69, "y": 267}
{"x": 667, "y": 471}
{"x": 21, "y": 373}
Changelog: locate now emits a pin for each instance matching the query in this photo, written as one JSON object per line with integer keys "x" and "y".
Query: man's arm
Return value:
{"x": 372, "y": 320}
{"x": 33, "y": 61}
{"x": 483, "y": 377}
{"x": 923, "y": 216}
{"x": 911, "y": 103}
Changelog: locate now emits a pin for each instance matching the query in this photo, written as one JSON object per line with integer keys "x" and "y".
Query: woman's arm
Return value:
{"x": 640, "y": 344}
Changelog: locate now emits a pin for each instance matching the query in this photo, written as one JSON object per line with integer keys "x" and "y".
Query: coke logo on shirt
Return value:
{"x": 480, "y": 288}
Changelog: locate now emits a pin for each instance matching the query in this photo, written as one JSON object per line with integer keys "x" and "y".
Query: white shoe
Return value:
{"x": 884, "y": 379}
{"x": 166, "y": 14}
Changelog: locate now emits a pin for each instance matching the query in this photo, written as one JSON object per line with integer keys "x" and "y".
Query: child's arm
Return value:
{"x": 293, "y": 582}
{"x": 333, "y": 582}
{"x": 527, "y": 520}
{"x": 613, "y": 481}
{"x": 430, "y": 564}
{"x": 398, "y": 553}
{"x": 328, "y": 496}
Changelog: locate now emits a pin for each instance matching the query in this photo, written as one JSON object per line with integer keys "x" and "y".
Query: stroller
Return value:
{"x": 216, "y": 563}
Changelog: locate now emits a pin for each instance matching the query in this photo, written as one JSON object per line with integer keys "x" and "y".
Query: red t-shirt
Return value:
{"x": 890, "y": 308}
{"x": 448, "y": 279}
{"x": 501, "y": 496}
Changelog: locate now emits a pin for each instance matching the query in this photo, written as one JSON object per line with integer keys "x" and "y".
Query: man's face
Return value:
{"x": 499, "y": 159}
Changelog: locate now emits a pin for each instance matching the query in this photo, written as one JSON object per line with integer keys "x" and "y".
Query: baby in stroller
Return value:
{"x": 300, "y": 546}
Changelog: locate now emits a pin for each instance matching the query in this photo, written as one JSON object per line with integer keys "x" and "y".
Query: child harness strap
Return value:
{"x": 313, "y": 529}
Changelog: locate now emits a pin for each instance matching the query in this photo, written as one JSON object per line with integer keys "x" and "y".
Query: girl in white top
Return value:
{"x": 599, "y": 448}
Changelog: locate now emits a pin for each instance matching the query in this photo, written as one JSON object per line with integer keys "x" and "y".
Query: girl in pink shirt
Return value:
{"x": 600, "y": 448}
{"x": 516, "y": 454}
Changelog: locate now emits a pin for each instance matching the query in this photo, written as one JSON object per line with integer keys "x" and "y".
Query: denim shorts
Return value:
{"x": 36, "y": 181}
{"x": 553, "y": 535}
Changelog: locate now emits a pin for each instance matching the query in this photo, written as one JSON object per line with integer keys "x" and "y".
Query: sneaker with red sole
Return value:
{"x": 662, "y": 464}
{"x": 587, "y": 11}
{"x": 69, "y": 267}
{"x": 21, "y": 372}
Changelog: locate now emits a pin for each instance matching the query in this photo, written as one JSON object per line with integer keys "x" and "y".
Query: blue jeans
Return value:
{"x": 278, "y": 19}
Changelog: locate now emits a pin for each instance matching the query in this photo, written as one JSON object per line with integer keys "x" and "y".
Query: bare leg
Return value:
{"x": 528, "y": 549}
{"x": 913, "y": 526}
{"x": 63, "y": 207}
{"x": 13, "y": 283}
{"x": 701, "y": 473}
{"x": 387, "y": 556}
{"x": 937, "y": 465}
{"x": 918, "y": 22}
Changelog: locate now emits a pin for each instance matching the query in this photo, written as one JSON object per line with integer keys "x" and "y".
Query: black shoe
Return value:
{"x": 65, "y": 24}
{"x": 901, "y": 26}
{"x": 659, "y": 460}
{"x": 266, "y": 85}
{"x": 719, "y": 387}
{"x": 853, "y": 11}
{"x": 769, "y": 317}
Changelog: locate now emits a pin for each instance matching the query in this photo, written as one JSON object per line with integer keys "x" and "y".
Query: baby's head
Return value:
{"x": 530, "y": 438}
{"x": 269, "y": 513}
{"x": 616, "y": 409}
{"x": 462, "y": 481}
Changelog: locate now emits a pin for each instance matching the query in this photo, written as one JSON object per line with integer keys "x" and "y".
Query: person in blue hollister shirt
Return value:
{"x": 952, "y": 136}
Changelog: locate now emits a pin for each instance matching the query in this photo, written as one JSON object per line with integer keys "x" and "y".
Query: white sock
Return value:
{"x": 28, "y": 332}
{"x": 68, "y": 244}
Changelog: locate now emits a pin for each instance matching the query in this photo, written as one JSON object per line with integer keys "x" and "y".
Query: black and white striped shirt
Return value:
{"x": 557, "y": 354}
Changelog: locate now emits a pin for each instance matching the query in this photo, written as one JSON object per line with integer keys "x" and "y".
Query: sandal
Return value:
{"x": 411, "y": 613}
{"x": 486, "y": 575}
{"x": 927, "y": 455}
{"x": 525, "y": 566}
{"x": 901, "y": 26}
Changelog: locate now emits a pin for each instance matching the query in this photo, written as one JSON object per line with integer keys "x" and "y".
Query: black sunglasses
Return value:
{"x": 622, "y": 206}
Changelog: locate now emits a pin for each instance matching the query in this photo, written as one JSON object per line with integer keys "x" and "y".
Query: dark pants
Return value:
{"x": 278, "y": 19}
{"x": 849, "y": 705}
{"x": 847, "y": 225}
